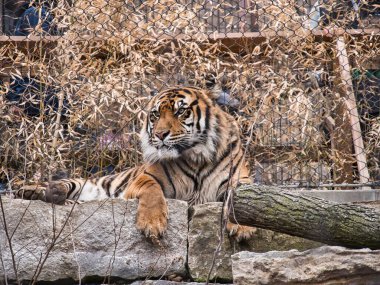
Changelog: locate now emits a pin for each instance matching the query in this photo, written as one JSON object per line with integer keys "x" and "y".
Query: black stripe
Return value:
{"x": 169, "y": 178}
{"x": 185, "y": 90}
{"x": 133, "y": 173}
{"x": 106, "y": 183}
{"x": 76, "y": 191}
{"x": 229, "y": 149}
{"x": 216, "y": 139}
{"x": 186, "y": 172}
{"x": 220, "y": 187}
{"x": 195, "y": 102}
{"x": 156, "y": 179}
{"x": 125, "y": 179}
{"x": 124, "y": 182}
{"x": 145, "y": 182}
{"x": 199, "y": 119}
{"x": 72, "y": 188}
{"x": 194, "y": 178}
{"x": 187, "y": 165}
{"x": 108, "y": 192}
{"x": 207, "y": 117}
{"x": 231, "y": 174}
{"x": 234, "y": 168}
{"x": 223, "y": 182}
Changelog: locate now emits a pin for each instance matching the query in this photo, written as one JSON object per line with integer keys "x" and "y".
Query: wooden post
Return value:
{"x": 350, "y": 105}
{"x": 341, "y": 142}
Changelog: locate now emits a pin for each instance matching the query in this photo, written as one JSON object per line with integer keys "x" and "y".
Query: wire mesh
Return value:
{"x": 96, "y": 63}
{"x": 303, "y": 75}
{"x": 302, "y": 78}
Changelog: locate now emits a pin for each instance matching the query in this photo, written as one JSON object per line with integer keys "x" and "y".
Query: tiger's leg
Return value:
{"x": 31, "y": 192}
{"x": 55, "y": 192}
{"x": 38, "y": 192}
{"x": 237, "y": 231}
{"x": 152, "y": 212}
{"x": 89, "y": 189}
{"x": 69, "y": 191}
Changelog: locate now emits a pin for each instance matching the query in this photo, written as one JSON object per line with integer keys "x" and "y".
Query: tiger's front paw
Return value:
{"x": 239, "y": 232}
{"x": 152, "y": 221}
{"x": 31, "y": 192}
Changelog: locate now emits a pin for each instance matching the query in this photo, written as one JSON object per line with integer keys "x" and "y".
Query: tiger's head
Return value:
{"x": 180, "y": 122}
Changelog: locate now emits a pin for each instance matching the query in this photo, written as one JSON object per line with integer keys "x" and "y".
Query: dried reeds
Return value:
{"x": 111, "y": 56}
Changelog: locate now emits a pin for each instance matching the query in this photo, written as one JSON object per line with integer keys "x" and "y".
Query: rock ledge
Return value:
{"x": 98, "y": 239}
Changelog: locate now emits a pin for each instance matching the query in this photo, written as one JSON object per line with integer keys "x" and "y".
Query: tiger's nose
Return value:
{"x": 162, "y": 135}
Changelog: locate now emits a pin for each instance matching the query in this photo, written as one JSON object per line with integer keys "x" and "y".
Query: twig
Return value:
{"x": 9, "y": 241}
{"x": 3, "y": 266}
{"x": 75, "y": 255}
{"x": 56, "y": 132}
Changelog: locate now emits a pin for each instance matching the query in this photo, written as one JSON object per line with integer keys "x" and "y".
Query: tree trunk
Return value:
{"x": 348, "y": 225}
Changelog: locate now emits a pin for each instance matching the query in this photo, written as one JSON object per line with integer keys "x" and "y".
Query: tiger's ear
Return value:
{"x": 216, "y": 86}
{"x": 223, "y": 97}
{"x": 215, "y": 92}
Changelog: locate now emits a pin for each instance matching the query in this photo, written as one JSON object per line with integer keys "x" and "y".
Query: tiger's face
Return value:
{"x": 179, "y": 122}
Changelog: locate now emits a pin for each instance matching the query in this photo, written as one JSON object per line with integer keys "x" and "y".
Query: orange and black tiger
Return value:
{"x": 192, "y": 151}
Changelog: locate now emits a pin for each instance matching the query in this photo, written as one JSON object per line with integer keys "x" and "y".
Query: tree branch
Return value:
{"x": 348, "y": 225}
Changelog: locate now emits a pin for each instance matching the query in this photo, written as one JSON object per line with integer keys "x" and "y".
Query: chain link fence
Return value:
{"x": 301, "y": 77}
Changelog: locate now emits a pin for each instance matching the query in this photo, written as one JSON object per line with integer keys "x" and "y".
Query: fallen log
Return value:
{"x": 348, "y": 225}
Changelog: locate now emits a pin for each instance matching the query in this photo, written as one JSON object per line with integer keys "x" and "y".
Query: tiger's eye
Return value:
{"x": 181, "y": 111}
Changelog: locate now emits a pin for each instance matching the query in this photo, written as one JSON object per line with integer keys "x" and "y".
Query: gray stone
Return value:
{"x": 98, "y": 239}
{"x": 324, "y": 265}
{"x": 205, "y": 241}
{"x": 345, "y": 196}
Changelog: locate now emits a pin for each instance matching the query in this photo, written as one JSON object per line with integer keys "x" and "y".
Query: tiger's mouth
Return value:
{"x": 170, "y": 144}
{"x": 164, "y": 146}
{"x": 177, "y": 146}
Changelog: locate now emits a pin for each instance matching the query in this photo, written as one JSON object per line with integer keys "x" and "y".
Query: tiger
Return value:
{"x": 192, "y": 151}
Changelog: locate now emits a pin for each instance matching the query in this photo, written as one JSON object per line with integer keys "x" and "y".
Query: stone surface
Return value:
{"x": 98, "y": 239}
{"x": 205, "y": 238}
{"x": 323, "y": 265}
{"x": 343, "y": 196}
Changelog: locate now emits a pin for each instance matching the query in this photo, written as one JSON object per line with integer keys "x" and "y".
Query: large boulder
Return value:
{"x": 208, "y": 248}
{"x": 324, "y": 265}
{"x": 91, "y": 241}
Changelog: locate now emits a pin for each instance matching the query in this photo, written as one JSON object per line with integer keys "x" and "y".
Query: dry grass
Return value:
{"x": 113, "y": 55}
